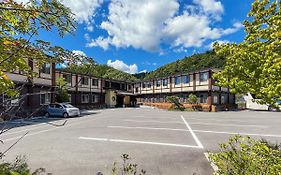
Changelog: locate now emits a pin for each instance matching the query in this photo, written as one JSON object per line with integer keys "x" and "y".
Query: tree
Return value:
{"x": 254, "y": 65}
{"x": 192, "y": 99}
{"x": 62, "y": 95}
{"x": 18, "y": 24}
{"x": 175, "y": 100}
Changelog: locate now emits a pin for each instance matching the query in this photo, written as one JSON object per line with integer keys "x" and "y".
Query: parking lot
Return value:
{"x": 160, "y": 142}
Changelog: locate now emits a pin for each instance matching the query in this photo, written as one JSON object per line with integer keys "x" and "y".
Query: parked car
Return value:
{"x": 62, "y": 109}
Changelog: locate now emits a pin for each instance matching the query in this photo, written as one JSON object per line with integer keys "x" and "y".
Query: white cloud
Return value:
{"x": 211, "y": 7}
{"x": 84, "y": 10}
{"x": 210, "y": 46}
{"x": 143, "y": 71}
{"x": 79, "y": 52}
{"x": 138, "y": 23}
{"x": 148, "y": 24}
{"x": 193, "y": 30}
{"x": 120, "y": 65}
{"x": 100, "y": 41}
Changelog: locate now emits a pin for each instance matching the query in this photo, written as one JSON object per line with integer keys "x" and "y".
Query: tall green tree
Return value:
{"x": 19, "y": 23}
{"x": 62, "y": 94}
{"x": 254, "y": 65}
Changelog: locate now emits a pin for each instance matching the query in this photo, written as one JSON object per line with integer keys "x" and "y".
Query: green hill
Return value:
{"x": 188, "y": 64}
{"x": 100, "y": 70}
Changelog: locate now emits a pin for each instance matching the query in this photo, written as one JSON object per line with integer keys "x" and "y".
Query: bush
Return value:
{"x": 245, "y": 156}
{"x": 18, "y": 167}
{"x": 192, "y": 99}
{"x": 126, "y": 168}
{"x": 176, "y": 105}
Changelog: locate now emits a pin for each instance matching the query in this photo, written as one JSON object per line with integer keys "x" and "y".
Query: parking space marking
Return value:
{"x": 151, "y": 121}
{"x": 235, "y": 125}
{"x": 240, "y": 133}
{"x": 138, "y": 142}
{"x": 195, "y": 130}
{"x": 192, "y": 133}
{"x": 147, "y": 128}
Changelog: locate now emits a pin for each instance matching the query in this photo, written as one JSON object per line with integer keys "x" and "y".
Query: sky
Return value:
{"x": 141, "y": 35}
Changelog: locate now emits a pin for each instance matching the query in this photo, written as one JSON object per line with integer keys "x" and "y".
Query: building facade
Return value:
{"x": 210, "y": 97}
{"x": 88, "y": 92}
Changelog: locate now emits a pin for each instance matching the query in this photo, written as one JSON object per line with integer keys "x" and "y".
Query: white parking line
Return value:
{"x": 196, "y": 131}
{"x": 192, "y": 133}
{"x": 152, "y": 121}
{"x": 147, "y": 128}
{"x": 51, "y": 129}
{"x": 240, "y": 133}
{"x": 221, "y": 124}
{"x": 138, "y": 142}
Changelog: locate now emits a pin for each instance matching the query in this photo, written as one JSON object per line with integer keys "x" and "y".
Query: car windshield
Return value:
{"x": 68, "y": 106}
{"x": 279, "y": 102}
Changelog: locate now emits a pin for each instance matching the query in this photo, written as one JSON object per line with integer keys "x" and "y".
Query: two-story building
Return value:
{"x": 87, "y": 92}
{"x": 210, "y": 97}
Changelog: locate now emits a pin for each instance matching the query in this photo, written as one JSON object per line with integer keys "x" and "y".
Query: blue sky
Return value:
{"x": 141, "y": 35}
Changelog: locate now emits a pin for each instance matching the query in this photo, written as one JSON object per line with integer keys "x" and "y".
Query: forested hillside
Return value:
{"x": 193, "y": 63}
{"x": 100, "y": 70}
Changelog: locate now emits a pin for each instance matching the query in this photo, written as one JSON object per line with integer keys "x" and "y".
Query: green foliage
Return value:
{"x": 18, "y": 24}
{"x": 18, "y": 167}
{"x": 192, "y": 99}
{"x": 254, "y": 65}
{"x": 189, "y": 64}
{"x": 126, "y": 168}
{"x": 62, "y": 95}
{"x": 245, "y": 156}
{"x": 98, "y": 70}
{"x": 176, "y": 105}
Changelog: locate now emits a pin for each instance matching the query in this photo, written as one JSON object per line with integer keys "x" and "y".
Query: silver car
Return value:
{"x": 62, "y": 109}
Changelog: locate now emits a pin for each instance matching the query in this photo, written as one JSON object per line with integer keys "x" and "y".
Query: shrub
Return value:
{"x": 246, "y": 156}
{"x": 176, "y": 105}
{"x": 126, "y": 168}
{"x": 18, "y": 167}
{"x": 192, "y": 99}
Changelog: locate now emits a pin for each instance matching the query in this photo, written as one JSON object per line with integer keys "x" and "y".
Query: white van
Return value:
{"x": 251, "y": 103}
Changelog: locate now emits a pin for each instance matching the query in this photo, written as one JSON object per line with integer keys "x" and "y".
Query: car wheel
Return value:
{"x": 270, "y": 108}
{"x": 65, "y": 115}
{"x": 47, "y": 114}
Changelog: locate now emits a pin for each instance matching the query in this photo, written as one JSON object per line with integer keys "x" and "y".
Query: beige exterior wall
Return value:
{"x": 109, "y": 98}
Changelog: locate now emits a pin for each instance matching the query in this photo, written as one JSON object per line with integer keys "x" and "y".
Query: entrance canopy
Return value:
{"x": 118, "y": 92}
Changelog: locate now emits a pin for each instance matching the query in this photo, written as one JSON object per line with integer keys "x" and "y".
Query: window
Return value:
{"x": 158, "y": 83}
{"x": 84, "y": 98}
{"x": 46, "y": 68}
{"x": 215, "y": 99}
{"x": 129, "y": 87}
{"x": 177, "y": 80}
{"x": 143, "y": 85}
{"x": 223, "y": 99}
{"x": 137, "y": 89}
{"x": 186, "y": 79}
{"x": 203, "y": 99}
{"x": 165, "y": 82}
{"x": 45, "y": 98}
{"x": 84, "y": 80}
{"x": 95, "y": 82}
{"x": 204, "y": 76}
{"x": 149, "y": 85}
{"x": 67, "y": 77}
{"x": 95, "y": 98}
{"x": 107, "y": 84}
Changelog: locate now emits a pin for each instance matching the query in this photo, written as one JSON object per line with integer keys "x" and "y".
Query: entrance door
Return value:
{"x": 120, "y": 101}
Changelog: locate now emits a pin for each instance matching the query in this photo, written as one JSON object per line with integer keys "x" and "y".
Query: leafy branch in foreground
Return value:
{"x": 254, "y": 65}
{"x": 19, "y": 23}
